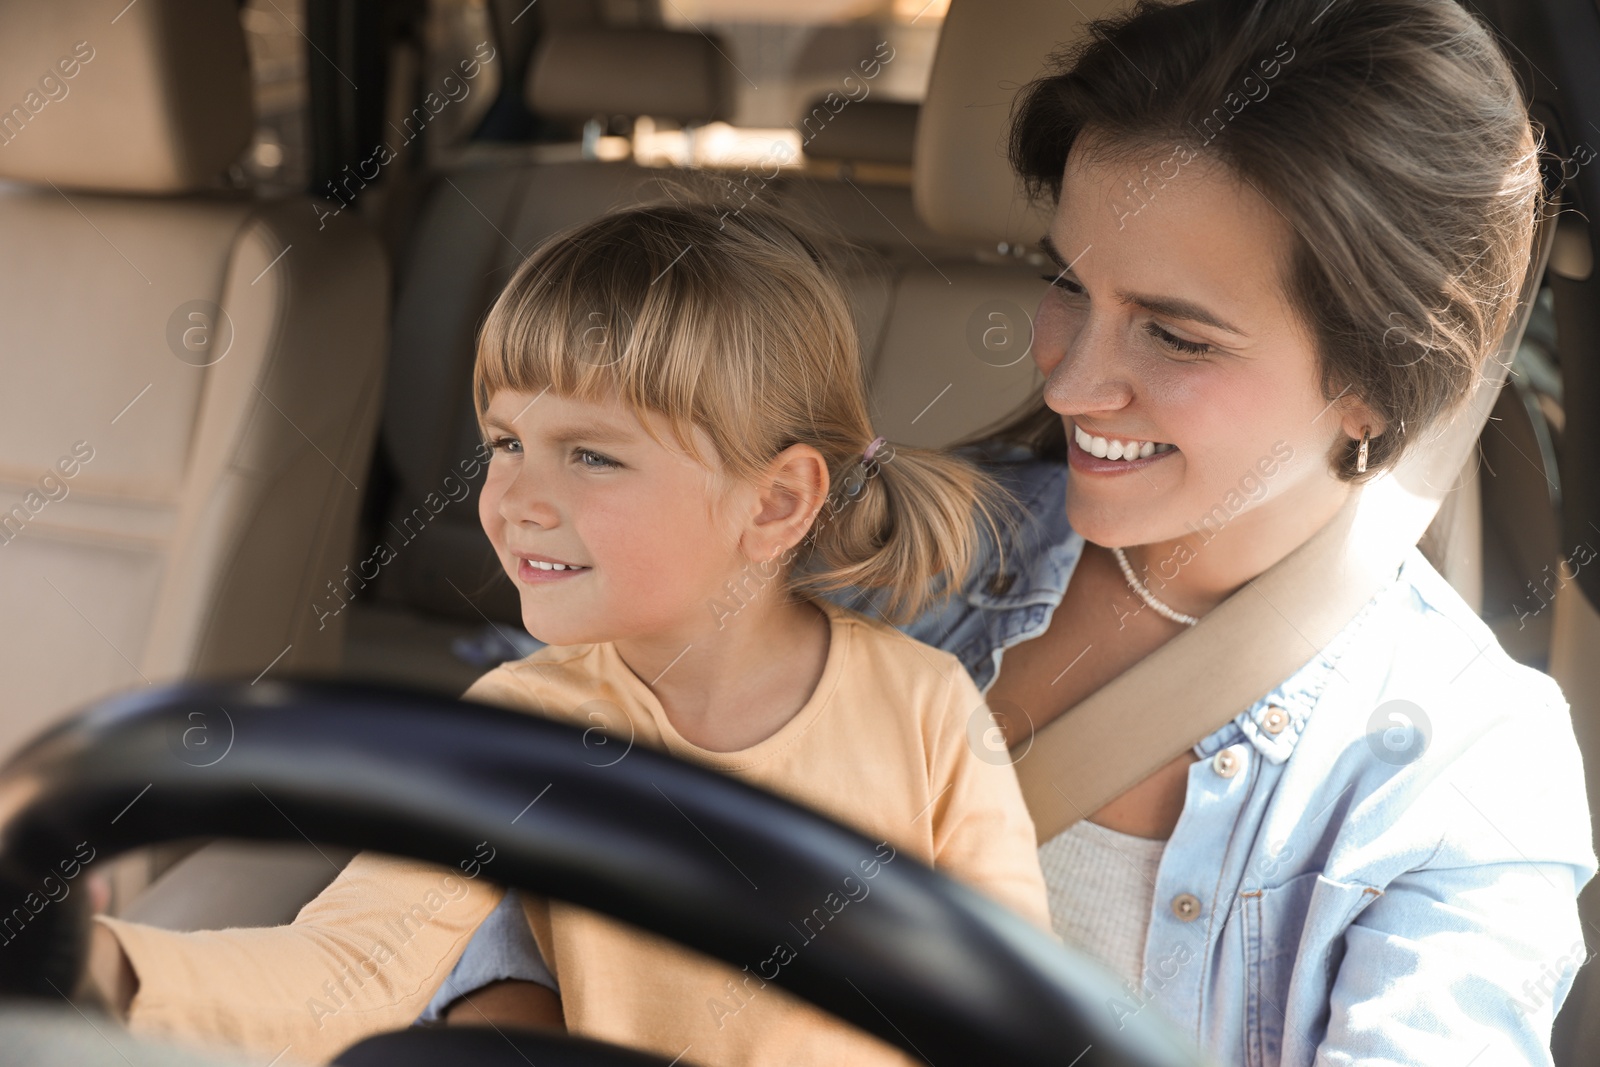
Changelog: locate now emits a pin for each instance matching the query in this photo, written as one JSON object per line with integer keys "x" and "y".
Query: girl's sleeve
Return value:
{"x": 365, "y": 956}
{"x": 982, "y": 831}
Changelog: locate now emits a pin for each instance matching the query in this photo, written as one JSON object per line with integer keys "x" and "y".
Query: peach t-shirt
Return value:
{"x": 881, "y": 746}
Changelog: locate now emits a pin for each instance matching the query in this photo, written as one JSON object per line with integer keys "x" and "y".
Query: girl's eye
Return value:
{"x": 1063, "y": 283}
{"x": 593, "y": 460}
{"x": 1177, "y": 344}
{"x": 509, "y": 445}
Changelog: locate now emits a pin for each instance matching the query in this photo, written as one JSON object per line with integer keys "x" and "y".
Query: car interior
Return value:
{"x": 255, "y": 241}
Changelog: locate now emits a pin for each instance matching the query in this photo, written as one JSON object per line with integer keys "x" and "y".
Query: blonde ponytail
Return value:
{"x": 910, "y": 523}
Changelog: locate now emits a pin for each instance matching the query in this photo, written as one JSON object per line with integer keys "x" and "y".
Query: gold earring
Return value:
{"x": 1361, "y": 456}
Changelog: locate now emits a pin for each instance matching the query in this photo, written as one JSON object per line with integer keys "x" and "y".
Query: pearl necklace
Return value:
{"x": 1149, "y": 597}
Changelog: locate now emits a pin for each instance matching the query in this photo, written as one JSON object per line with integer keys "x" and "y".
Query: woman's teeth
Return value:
{"x": 542, "y": 565}
{"x": 1102, "y": 448}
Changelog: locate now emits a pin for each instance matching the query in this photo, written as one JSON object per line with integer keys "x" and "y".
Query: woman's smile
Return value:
{"x": 1092, "y": 454}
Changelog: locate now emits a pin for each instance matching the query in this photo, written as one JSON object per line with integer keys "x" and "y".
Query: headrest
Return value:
{"x": 865, "y": 131}
{"x": 149, "y": 97}
{"x": 962, "y": 184}
{"x": 581, "y": 71}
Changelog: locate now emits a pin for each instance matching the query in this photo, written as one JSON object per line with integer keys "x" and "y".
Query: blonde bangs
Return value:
{"x": 653, "y": 326}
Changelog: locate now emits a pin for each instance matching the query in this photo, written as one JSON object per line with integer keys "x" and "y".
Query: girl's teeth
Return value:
{"x": 542, "y": 565}
{"x": 1103, "y": 448}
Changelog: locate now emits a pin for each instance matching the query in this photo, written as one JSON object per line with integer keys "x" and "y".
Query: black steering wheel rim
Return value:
{"x": 925, "y": 963}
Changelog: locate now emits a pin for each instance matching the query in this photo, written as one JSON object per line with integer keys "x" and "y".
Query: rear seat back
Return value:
{"x": 580, "y": 71}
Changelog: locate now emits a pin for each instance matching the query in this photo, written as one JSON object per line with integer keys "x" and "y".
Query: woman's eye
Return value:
{"x": 1063, "y": 283}
{"x": 593, "y": 460}
{"x": 509, "y": 445}
{"x": 1177, "y": 344}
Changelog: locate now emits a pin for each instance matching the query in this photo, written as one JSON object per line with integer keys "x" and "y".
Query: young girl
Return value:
{"x": 682, "y": 461}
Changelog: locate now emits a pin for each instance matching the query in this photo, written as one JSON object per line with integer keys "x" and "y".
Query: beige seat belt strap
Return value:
{"x": 1144, "y": 718}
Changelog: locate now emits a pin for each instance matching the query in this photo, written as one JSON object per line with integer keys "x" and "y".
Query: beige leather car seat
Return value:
{"x": 189, "y": 376}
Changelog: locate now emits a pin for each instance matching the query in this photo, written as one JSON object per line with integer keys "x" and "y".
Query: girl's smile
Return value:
{"x": 531, "y": 568}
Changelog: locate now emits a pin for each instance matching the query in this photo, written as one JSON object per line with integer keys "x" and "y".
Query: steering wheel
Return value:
{"x": 924, "y": 963}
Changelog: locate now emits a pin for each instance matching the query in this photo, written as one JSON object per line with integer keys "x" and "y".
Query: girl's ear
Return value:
{"x": 790, "y": 493}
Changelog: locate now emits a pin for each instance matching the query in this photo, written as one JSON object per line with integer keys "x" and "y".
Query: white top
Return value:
{"x": 1102, "y": 883}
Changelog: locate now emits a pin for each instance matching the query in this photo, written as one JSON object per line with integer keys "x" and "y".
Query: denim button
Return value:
{"x": 1274, "y": 720}
{"x": 1228, "y": 762}
{"x": 1186, "y": 906}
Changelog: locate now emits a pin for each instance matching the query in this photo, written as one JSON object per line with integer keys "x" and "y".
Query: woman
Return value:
{"x": 1288, "y": 234}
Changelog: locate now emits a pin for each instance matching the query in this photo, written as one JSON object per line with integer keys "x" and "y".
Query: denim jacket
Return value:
{"x": 1376, "y": 862}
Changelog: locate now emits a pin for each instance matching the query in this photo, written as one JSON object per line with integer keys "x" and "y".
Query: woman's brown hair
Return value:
{"x": 1389, "y": 135}
{"x": 736, "y": 323}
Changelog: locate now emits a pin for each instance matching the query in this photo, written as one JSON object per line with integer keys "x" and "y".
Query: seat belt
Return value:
{"x": 1191, "y": 686}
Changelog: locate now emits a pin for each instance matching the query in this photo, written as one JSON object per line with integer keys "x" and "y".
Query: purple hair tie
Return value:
{"x": 866, "y": 457}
